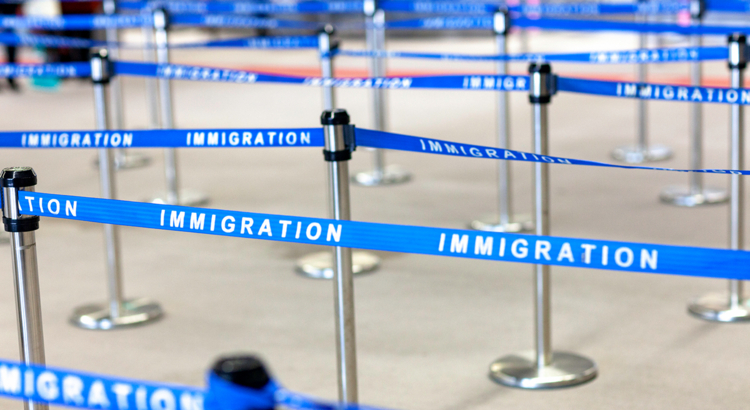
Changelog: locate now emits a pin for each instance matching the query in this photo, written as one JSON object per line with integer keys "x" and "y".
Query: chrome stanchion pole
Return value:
{"x": 339, "y": 144}
{"x": 152, "y": 96}
{"x": 542, "y": 368}
{"x": 174, "y": 195}
{"x": 118, "y": 312}
{"x": 25, "y": 272}
{"x": 642, "y": 151}
{"x": 695, "y": 193}
{"x": 123, "y": 158}
{"x": 505, "y": 221}
{"x": 381, "y": 174}
{"x": 319, "y": 265}
{"x": 732, "y": 307}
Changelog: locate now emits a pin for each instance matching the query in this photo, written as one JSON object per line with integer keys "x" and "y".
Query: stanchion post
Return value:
{"x": 695, "y": 193}
{"x": 642, "y": 151}
{"x": 25, "y": 272}
{"x": 733, "y": 307}
{"x": 375, "y": 38}
{"x": 542, "y": 368}
{"x": 152, "y": 96}
{"x": 123, "y": 158}
{"x": 118, "y": 312}
{"x": 319, "y": 265}
{"x": 174, "y": 195}
{"x": 339, "y": 144}
{"x": 505, "y": 221}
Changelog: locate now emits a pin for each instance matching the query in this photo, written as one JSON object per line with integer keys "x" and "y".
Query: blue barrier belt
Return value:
{"x": 77, "y": 389}
{"x": 46, "y": 70}
{"x": 76, "y": 22}
{"x": 184, "y": 138}
{"x": 249, "y": 7}
{"x": 72, "y": 388}
{"x": 730, "y": 6}
{"x": 281, "y": 42}
{"x": 594, "y": 9}
{"x": 571, "y": 252}
{"x": 196, "y": 73}
{"x": 400, "y": 142}
{"x": 486, "y": 23}
{"x": 663, "y": 92}
{"x": 225, "y": 20}
{"x": 663, "y": 55}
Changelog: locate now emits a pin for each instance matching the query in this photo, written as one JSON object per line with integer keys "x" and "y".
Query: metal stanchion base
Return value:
{"x": 188, "y": 197}
{"x": 635, "y": 155}
{"x": 715, "y": 307}
{"x": 392, "y": 175}
{"x": 319, "y": 265}
{"x": 684, "y": 196}
{"x": 129, "y": 160}
{"x": 520, "y": 370}
{"x": 132, "y": 313}
{"x": 521, "y": 223}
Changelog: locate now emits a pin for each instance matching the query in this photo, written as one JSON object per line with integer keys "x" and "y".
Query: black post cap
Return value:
{"x": 18, "y": 177}
{"x": 336, "y": 117}
{"x": 100, "y": 53}
{"x": 242, "y": 370}
{"x": 543, "y": 68}
{"x": 737, "y": 38}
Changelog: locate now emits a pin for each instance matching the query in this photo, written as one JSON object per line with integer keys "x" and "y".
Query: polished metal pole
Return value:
{"x": 642, "y": 151}
{"x": 319, "y": 265}
{"x": 173, "y": 195}
{"x": 375, "y": 39}
{"x": 542, "y": 368}
{"x": 734, "y": 308}
{"x": 695, "y": 193}
{"x": 505, "y": 221}
{"x": 123, "y": 158}
{"x": 337, "y": 153}
{"x": 152, "y": 95}
{"x": 25, "y": 270}
{"x": 117, "y": 312}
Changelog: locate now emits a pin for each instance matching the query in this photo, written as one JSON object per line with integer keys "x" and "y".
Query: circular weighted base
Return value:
{"x": 635, "y": 155}
{"x": 684, "y": 196}
{"x": 319, "y": 265}
{"x": 520, "y": 370}
{"x": 715, "y": 308}
{"x": 128, "y": 160}
{"x": 188, "y": 197}
{"x": 132, "y": 313}
{"x": 392, "y": 175}
{"x": 521, "y": 223}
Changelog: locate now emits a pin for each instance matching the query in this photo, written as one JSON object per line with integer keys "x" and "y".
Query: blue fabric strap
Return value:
{"x": 572, "y": 252}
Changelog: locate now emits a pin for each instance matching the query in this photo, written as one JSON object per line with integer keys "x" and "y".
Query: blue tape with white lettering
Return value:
{"x": 731, "y": 6}
{"x": 596, "y": 9}
{"x": 662, "y": 55}
{"x": 184, "y": 138}
{"x": 486, "y": 23}
{"x": 225, "y": 20}
{"x": 76, "y": 22}
{"x": 62, "y": 70}
{"x": 571, "y": 252}
{"x": 249, "y": 7}
{"x": 74, "y": 388}
{"x": 285, "y": 42}
{"x": 663, "y": 92}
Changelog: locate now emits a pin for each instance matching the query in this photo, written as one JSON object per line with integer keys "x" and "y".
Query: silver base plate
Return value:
{"x": 715, "y": 307}
{"x": 635, "y": 155}
{"x": 565, "y": 370}
{"x": 128, "y": 160}
{"x": 518, "y": 224}
{"x": 684, "y": 196}
{"x": 132, "y": 313}
{"x": 319, "y": 265}
{"x": 188, "y": 197}
{"x": 392, "y": 175}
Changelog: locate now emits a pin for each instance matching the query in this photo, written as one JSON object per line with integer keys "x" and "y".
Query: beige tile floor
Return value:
{"x": 427, "y": 327}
